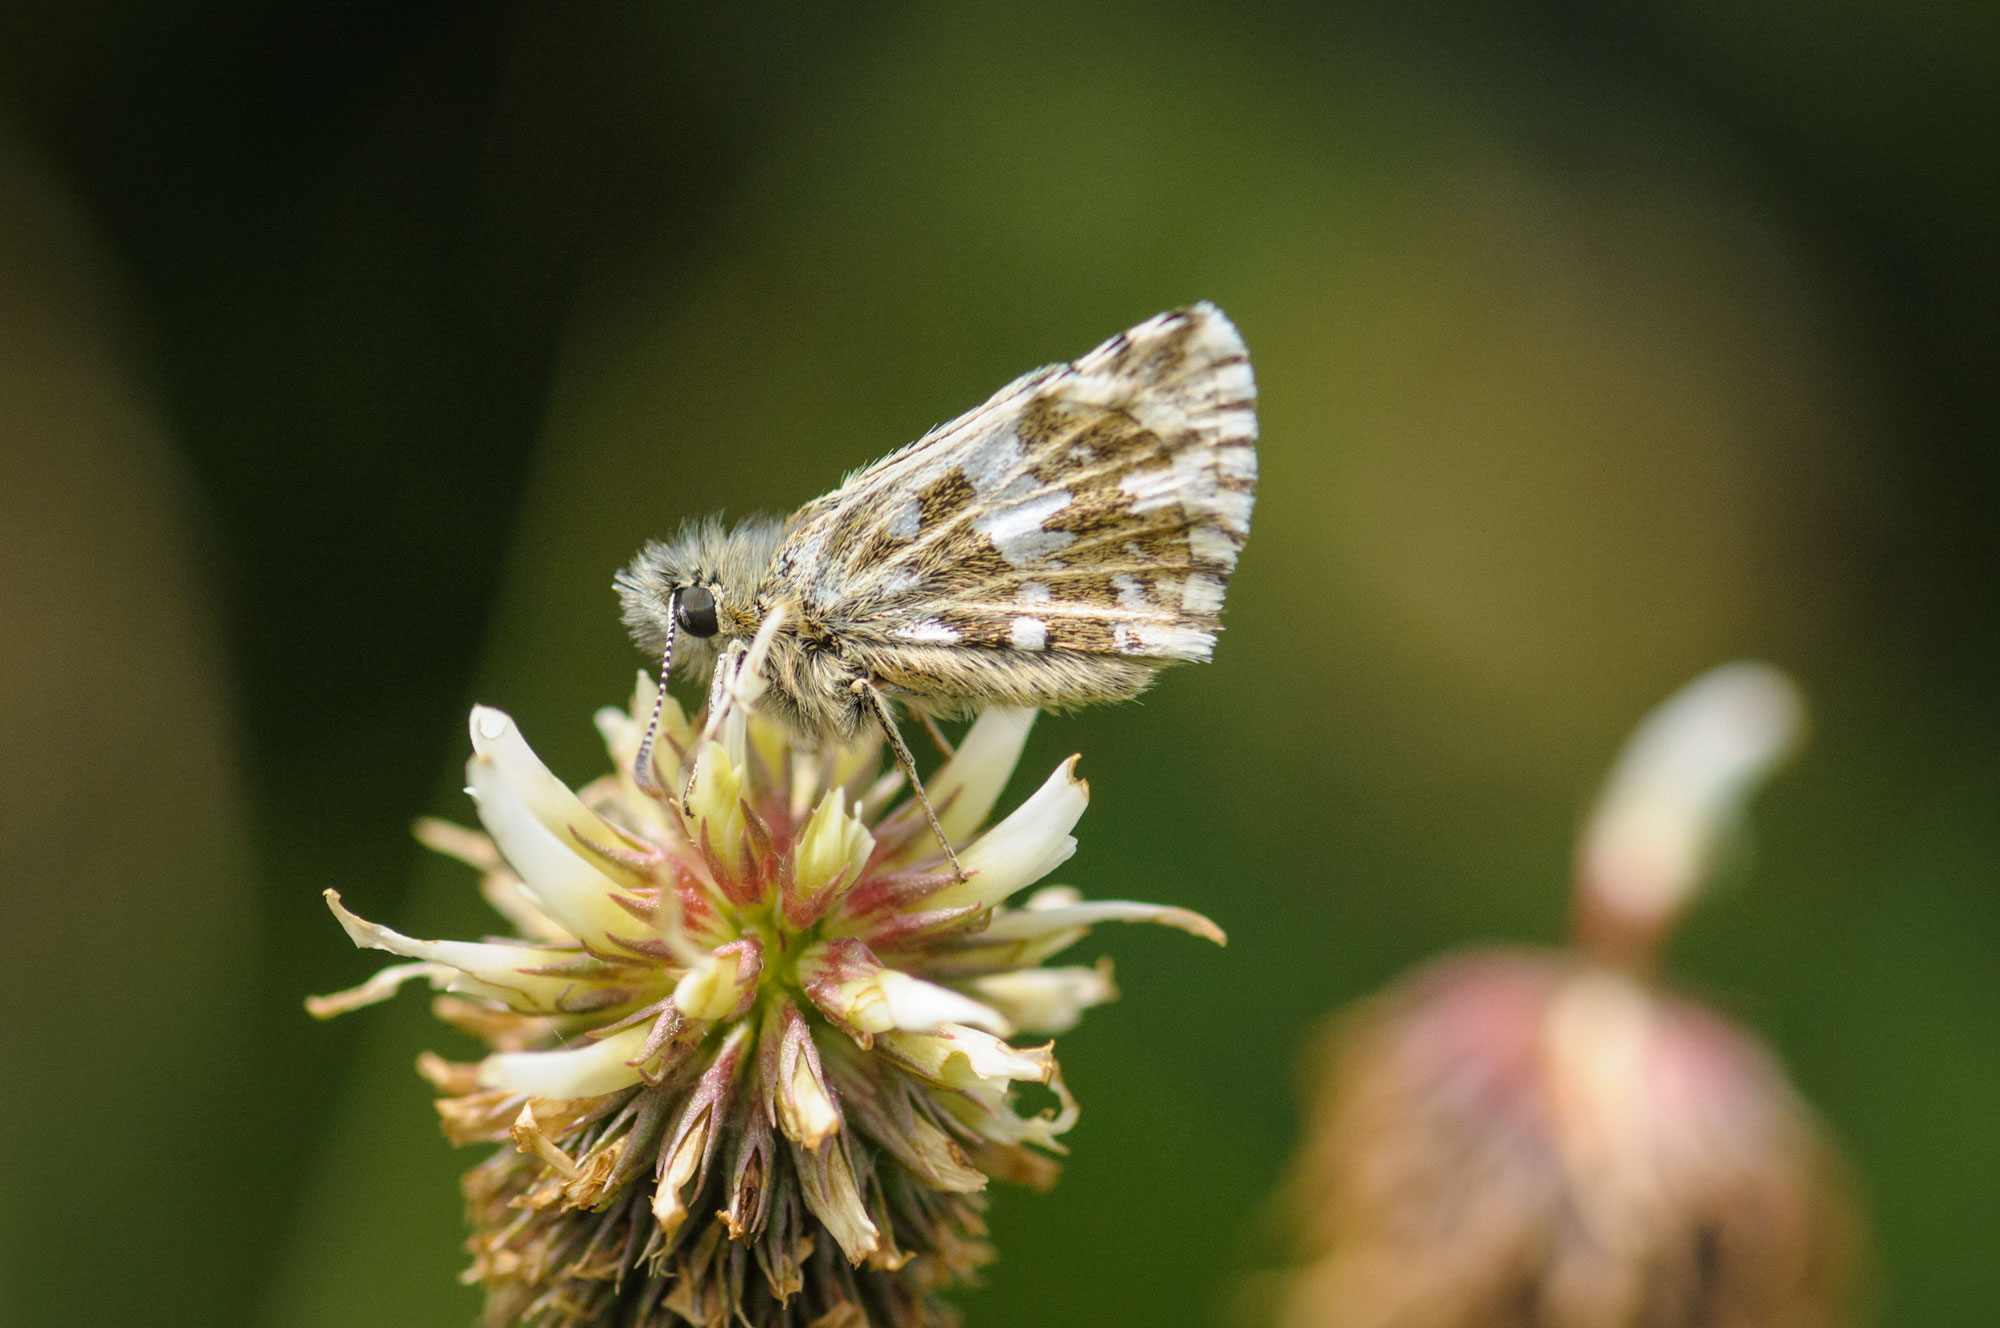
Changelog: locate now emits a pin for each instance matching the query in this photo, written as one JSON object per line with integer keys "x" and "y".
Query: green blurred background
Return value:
{"x": 346, "y": 348}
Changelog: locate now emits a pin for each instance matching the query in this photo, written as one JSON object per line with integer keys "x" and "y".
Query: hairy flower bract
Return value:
{"x": 754, "y": 1057}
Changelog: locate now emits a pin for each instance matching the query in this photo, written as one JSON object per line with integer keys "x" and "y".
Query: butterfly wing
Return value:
{"x": 1057, "y": 544}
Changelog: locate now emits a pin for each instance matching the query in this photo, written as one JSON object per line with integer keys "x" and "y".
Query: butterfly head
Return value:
{"x": 698, "y": 590}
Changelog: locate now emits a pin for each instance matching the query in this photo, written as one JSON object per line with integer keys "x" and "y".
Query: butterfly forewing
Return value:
{"x": 1086, "y": 510}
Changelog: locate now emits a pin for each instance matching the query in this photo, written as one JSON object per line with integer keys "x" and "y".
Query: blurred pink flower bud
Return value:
{"x": 1519, "y": 1137}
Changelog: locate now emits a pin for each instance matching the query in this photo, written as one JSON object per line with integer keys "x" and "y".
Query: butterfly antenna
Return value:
{"x": 643, "y": 773}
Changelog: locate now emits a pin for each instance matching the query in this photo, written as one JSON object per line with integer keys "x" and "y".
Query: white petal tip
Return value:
{"x": 1183, "y": 919}
{"x": 488, "y": 726}
{"x": 1197, "y": 925}
{"x": 365, "y": 935}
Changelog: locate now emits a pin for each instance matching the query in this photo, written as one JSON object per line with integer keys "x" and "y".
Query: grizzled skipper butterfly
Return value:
{"x": 1054, "y": 547}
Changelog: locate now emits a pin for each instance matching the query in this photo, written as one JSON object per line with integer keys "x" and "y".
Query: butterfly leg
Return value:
{"x": 735, "y": 687}
{"x": 722, "y": 697}
{"x": 903, "y": 758}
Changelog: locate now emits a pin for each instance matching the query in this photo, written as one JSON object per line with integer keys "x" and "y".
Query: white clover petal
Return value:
{"x": 888, "y": 999}
{"x": 874, "y": 999}
{"x": 833, "y": 766}
{"x": 988, "y": 1112}
{"x": 455, "y": 841}
{"x": 733, "y": 732}
{"x": 482, "y": 968}
{"x": 965, "y": 1057}
{"x": 1682, "y": 784}
{"x": 805, "y": 1109}
{"x": 505, "y": 895}
{"x": 1025, "y": 847}
{"x": 502, "y": 759}
{"x": 1048, "y": 1000}
{"x": 716, "y": 801}
{"x": 989, "y": 1058}
{"x": 379, "y": 988}
{"x": 497, "y": 884}
{"x": 966, "y": 787}
{"x": 834, "y": 847}
{"x": 1035, "y": 923}
{"x": 827, "y": 1184}
{"x": 973, "y": 778}
{"x": 670, "y": 1208}
{"x": 587, "y": 1071}
{"x": 918, "y": 1006}
{"x": 937, "y": 1157}
{"x": 713, "y": 987}
{"x": 573, "y": 889}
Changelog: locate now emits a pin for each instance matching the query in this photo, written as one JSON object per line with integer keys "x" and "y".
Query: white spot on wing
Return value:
{"x": 1130, "y": 593}
{"x": 905, "y": 521}
{"x": 1029, "y": 633}
{"x": 1017, "y": 530}
{"x": 1034, "y": 592}
{"x": 1016, "y": 489}
{"x": 929, "y": 632}
{"x": 989, "y": 462}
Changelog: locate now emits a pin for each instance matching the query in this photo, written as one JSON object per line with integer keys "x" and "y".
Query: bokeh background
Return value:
{"x": 347, "y": 348}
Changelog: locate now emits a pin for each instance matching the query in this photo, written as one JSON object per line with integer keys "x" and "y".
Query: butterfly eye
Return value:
{"x": 694, "y": 610}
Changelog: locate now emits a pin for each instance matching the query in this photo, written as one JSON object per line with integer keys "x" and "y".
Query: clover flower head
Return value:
{"x": 754, "y": 1055}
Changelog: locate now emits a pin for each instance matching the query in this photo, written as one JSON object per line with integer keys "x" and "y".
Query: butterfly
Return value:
{"x": 1054, "y": 547}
